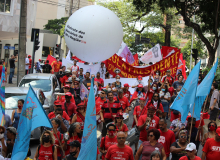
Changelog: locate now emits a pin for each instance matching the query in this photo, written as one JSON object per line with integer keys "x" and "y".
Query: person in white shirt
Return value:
{"x": 139, "y": 81}
{"x": 26, "y": 65}
{"x": 75, "y": 67}
{"x": 102, "y": 71}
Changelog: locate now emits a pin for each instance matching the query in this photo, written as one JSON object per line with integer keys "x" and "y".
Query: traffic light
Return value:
{"x": 57, "y": 49}
{"x": 195, "y": 54}
{"x": 36, "y": 47}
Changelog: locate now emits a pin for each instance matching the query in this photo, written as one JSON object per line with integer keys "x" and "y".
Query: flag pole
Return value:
{"x": 191, "y": 122}
{"x": 59, "y": 143}
{"x": 202, "y": 115}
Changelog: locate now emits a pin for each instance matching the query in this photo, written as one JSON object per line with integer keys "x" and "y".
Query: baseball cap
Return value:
{"x": 57, "y": 103}
{"x": 190, "y": 147}
{"x": 151, "y": 107}
{"x": 142, "y": 99}
{"x": 139, "y": 77}
{"x": 68, "y": 94}
{"x": 29, "y": 56}
{"x": 140, "y": 85}
{"x": 66, "y": 86}
{"x": 218, "y": 131}
{"x": 12, "y": 129}
{"x": 75, "y": 144}
{"x": 39, "y": 59}
{"x": 126, "y": 85}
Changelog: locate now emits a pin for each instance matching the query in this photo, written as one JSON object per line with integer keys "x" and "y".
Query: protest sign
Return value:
{"x": 128, "y": 71}
{"x": 153, "y": 55}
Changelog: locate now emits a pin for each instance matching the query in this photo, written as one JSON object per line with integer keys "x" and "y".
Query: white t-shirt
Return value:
{"x": 102, "y": 72}
{"x": 75, "y": 68}
{"x": 167, "y": 95}
{"x": 26, "y": 61}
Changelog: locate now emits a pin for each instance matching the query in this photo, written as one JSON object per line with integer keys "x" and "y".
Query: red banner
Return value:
{"x": 168, "y": 50}
{"x": 128, "y": 71}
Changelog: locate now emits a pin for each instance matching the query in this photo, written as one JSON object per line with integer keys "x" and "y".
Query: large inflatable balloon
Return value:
{"x": 93, "y": 33}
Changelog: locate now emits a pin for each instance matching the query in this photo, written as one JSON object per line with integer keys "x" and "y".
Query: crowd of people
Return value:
{"x": 149, "y": 104}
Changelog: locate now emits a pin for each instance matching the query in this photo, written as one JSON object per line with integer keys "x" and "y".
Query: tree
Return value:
{"x": 141, "y": 23}
{"x": 206, "y": 11}
{"x": 55, "y": 25}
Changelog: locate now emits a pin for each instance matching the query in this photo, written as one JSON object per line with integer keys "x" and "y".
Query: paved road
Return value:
{"x": 34, "y": 143}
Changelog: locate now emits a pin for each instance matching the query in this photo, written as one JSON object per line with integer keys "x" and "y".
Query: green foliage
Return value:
{"x": 141, "y": 23}
{"x": 55, "y": 25}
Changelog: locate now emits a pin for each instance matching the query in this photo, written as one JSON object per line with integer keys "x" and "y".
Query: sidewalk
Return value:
{"x": 14, "y": 81}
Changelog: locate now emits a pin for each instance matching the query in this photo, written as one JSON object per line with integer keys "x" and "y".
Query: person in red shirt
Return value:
{"x": 168, "y": 77}
{"x": 146, "y": 122}
{"x": 151, "y": 90}
{"x": 68, "y": 106}
{"x": 100, "y": 81}
{"x": 46, "y": 149}
{"x": 80, "y": 115}
{"x": 212, "y": 126}
{"x": 137, "y": 95}
{"x": 58, "y": 104}
{"x": 74, "y": 134}
{"x": 123, "y": 101}
{"x": 30, "y": 62}
{"x": 126, "y": 91}
{"x": 211, "y": 149}
{"x": 65, "y": 78}
{"x": 120, "y": 150}
{"x": 57, "y": 135}
{"x": 167, "y": 137}
{"x": 62, "y": 98}
{"x": 191, "y": 153}
{"x": 56, "y": 65}
{"x": 155, "y": 101}
{"x": 120, "y": 126}
{"x": 109, "y": 110}
{"x": 109, "y": 140}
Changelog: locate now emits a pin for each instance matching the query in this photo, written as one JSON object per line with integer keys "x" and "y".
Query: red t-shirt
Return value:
{"x": 63, "y": 79}
{"x": 170, "y": 79}
{"x": 154, "y": 123}
{"x": 124, "y": 102}
{"x": 65, "y": 115}
{"x": 63, "y": 99}
{"x": 60, "y": 137}
{"x": 138, "y": 112}
{"x": 174, "y": 116}
{"x": 106, "y": 142}
{"x": 155, "y": 105}
{"x": 115, "y": 107}
{"x": 171, "y": 91}
{"x": 100, "y": 80}
{"x": 167, "y": 139}
{"x": 212, "y": 149}
{"x": 45, "y": 153}
{"x": 71, "y": 108}
{"x": 186, "y": 158}
{"x": 81, "y": 120}
{"x": 114, "y": 152}
{"x": 73, "y": 138}
{"x": 149, "y": 94}
{"x": 56, "y": 66}
{"x": 30, "y": 61}
{"x": 127, "y": 94}
{"x": 123, "y": 129}
{"x": 98, "y": 104}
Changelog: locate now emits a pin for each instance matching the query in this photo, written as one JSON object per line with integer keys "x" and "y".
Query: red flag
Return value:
{"x": 181, "y": 66}
{"x": 79, "y": 60}
{"x": 168, "y": 50}
{"x": 51, "y": 59}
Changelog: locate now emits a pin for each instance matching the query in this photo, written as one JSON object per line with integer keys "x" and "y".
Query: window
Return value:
{"x": 5, "y": 6}
{"x": 47, "y": 51}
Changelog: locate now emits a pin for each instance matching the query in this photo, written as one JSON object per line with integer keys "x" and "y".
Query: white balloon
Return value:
{"x": 93, "y": 33}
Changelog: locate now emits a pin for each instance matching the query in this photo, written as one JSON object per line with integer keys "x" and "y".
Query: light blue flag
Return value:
{"x": 203, "y": 90}
{"x": 187, "y": 94}
{"x": 88, "y": 149}
{"x": 32, "y": 116}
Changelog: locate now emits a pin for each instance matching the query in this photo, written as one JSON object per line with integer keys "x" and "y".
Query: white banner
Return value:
{"x": 93, "y": 69}
{"x": 153, "y": 55}
{"x": 121, "y": 48}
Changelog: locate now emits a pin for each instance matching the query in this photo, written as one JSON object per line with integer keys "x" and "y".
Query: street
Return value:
{"x": 34, "y": 143}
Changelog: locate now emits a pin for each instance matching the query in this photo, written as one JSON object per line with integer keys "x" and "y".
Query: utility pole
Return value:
{"x": 22, "y": 41}
{"x": 71, "y": 8}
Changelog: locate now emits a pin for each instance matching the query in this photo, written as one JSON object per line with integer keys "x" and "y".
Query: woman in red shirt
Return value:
{"x": 151, "y": 90}
{"x": 120, "y": 126}
{"x": 109, "y": 140}
{"x": 80, "y": 115}
{"x": 126, "y": 91}
{"x": 73, "y": 135}
{"x": 57, "y": 135}
{"x": 46, "y": 146}
{"x": 137, "y": 95}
